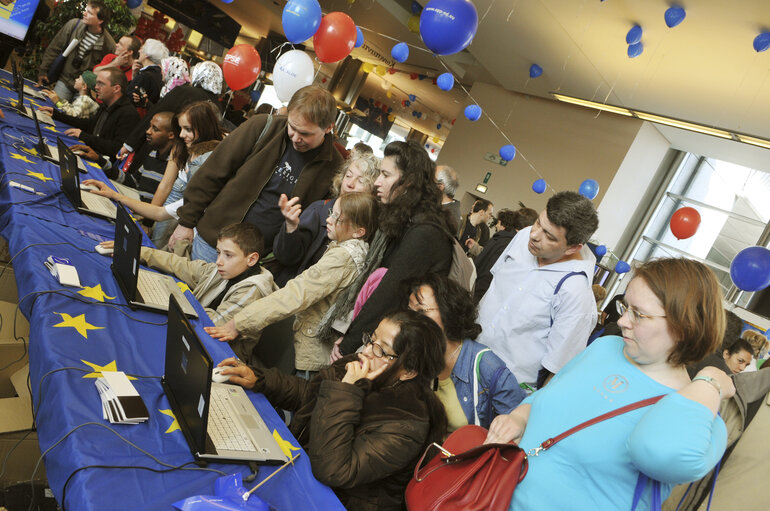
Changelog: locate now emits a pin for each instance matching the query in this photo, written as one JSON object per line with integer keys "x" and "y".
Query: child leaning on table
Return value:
{"x": 82, "y": 106}
{"x": 225, "y": 287}
{"x": 350, "y": 225}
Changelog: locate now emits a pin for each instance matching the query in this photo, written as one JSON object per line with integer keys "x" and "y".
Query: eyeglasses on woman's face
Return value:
{"x": 634, "y": 315}
{"x": 377, "y": 349}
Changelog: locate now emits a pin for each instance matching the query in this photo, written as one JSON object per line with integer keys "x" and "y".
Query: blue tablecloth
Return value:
{"x": 89, "y": 329}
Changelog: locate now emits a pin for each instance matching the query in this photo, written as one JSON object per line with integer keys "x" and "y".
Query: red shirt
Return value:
{"x": 109, "y": 58}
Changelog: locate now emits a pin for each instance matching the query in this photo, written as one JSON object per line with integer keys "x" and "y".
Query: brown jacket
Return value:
{"x": 362, "y": 442}
{"x": 231, "y": 180}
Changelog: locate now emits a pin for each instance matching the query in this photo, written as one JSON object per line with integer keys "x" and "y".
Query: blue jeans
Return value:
{"x": 202, "y": 250}
{"x": 63, "y": 91}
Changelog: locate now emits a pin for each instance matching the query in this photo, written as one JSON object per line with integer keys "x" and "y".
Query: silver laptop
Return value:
{"x": 141, "y": 288}
{"x": 218, "y": 420}
{"x": 29, "y": 91}
{"x": 82, "y": 201}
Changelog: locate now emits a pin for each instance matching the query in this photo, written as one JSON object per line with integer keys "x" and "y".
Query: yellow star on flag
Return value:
{"x": 16, "y": 156}
{"x": 285, "y": 445}
{"x": 95, "y": 292}
{"x": 51, "y": 128}
{"x": 112, "y": 366}
{"x": 39, "y": 175}
{"x": 182, "y": 286}
{"x": 30, "y": 150}
{"x": 79, "y": 323}
{"x": 174, "y": 425}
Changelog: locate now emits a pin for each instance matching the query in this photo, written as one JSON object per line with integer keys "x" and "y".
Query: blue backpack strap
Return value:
{"x": 558, "y": 285}
{"x": 641, "y": 484}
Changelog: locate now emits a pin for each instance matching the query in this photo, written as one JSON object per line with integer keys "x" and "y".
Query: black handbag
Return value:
{"x": 57, "y": 66}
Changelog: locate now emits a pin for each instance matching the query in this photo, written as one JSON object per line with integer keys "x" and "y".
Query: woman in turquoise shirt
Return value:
{"x": 672, "y": 316}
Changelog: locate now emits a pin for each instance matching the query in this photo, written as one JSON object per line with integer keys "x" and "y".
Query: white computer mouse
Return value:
{"x": 88, "y": 188}
{"x": 104, "y": 250}
{"x": 218, "y": 377}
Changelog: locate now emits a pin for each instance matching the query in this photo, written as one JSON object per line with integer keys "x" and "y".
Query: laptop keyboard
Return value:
{"x": 98, "y": 204}
{"x": 225, "y": 433}
{"x": 153, "y": 288}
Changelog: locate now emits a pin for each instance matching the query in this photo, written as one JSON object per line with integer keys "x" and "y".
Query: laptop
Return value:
{"x": 218, "y": 420}
{"x": 141, "y": 288}
{"x": 83, "y": 201}
{"x": 51, "y": 152}
{"x": 25, "y": 110}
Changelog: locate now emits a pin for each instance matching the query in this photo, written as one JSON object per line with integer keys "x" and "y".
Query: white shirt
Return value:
{"x": 517, "y": 311}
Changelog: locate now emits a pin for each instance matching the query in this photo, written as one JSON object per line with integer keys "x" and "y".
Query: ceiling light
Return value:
{"x": 593, "y": 104}
{"x": 675, "y": 123}
{"x": 754, "y": 141}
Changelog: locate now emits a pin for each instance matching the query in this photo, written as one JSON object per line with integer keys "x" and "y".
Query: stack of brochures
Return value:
{"x": 121, "y": 403}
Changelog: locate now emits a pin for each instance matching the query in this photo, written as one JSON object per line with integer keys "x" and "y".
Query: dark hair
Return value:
{"x": 523, "y": 217}
{"x": 480, "y": 205}
{"x": 574, "y": 213}
{"x": 134, "y": 46}
{"x": 315, "y": 104}
{"x": 420, "y": 347}
{"x": 264, "y": 108}
{"x": 362, "y": 148}
{"x": 360, "y": 209}
{"x": 455, "y": 305}
{"x": 248, "y": 237}
{"x": 104, "y": 13}
{"x": 692, "y": 301}
{"x": 733, "y": 328}
{"x": 740, "y": 345}
{"x": 415, "y": 193}
{"x": 117, "y": 77}
{"x": 204, "y": 120}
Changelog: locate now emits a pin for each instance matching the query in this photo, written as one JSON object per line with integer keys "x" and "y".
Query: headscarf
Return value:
{"x": 175, "y": 73}
{"x": 208, "y": 76}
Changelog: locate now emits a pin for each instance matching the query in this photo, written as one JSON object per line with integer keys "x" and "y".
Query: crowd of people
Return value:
{"x": 269, "y": 220}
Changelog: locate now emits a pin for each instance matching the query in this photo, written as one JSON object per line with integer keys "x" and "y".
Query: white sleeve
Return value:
{"x": 171, "y": 208}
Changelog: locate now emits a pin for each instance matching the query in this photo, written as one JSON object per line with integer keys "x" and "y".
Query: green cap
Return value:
{"x": 89, "y": 78}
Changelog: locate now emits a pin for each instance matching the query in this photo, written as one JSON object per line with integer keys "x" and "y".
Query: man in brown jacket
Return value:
{"x": 266, "y": 157}
{"x": 94, "y": 43}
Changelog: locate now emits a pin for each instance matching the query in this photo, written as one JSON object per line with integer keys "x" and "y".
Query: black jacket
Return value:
{"x": 487, "y": 259}
{"x": 121, "y": 119}
{"x": 150, "y": 80}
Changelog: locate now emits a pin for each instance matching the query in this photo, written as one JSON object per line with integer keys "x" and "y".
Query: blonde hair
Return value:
{"x": 757, "y": 341}
{"x": 370, "y": 169}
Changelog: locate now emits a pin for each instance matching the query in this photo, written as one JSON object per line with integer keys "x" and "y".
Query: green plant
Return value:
{"x": 121, "y": 23}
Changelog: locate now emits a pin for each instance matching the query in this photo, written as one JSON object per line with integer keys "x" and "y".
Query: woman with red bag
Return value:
{"x": 671, "y": 316}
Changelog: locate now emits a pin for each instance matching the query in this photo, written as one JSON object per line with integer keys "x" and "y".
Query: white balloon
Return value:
{"x": 293, "y": 70}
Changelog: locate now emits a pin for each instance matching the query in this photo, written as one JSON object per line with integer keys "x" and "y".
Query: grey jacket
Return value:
{"x": 104, "y": 45}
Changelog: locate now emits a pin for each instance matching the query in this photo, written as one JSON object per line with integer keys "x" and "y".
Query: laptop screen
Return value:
{"x": 70, "y": 181}
{"x": 42, "y": 148}
{"x": 187, "y": 376}
{"x": 125, "y": 258}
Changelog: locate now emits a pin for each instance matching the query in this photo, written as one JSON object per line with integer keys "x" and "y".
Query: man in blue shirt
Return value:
{"x": 539, "y": 309}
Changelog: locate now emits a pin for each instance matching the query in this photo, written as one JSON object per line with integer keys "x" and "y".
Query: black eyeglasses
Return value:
{"x": 377, "y": 349}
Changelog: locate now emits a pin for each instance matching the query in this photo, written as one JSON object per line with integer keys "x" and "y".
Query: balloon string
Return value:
{"x": 484, "y": 112}
{"x": 647, "y": 67}
{"x": 512, "y": 9}
{"x": 755, "y": 97}
{"x": 491, "y": 4}
{"x": 394, "y": 39}
{"x": 748, "y": 70}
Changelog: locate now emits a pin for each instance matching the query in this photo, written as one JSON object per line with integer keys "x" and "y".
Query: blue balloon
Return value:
{"x": 535, "y": 71}
{"x": 634, "y": 35}
{"x": 622, "y": 267}
{"x": 407, "y": 103}
{"x": 674, "y": 16}
{"x": 600, "y": 251}
{"x": 448, "y": 26}
{"x": 750, "y": 269}
{"x": 507, "y": 152}
{"x": 762, "y": 41}
{"x": 589, "y": 188}
{"x": 473, "y": 112}
{"x": 412, "y": 97}
{"x": 634, "y": 50}
{"x": 445, "y": 81}
{"x": 359, "y": 38}
{"x": 400, "y": 52}
{"x": 300, "y": 20}
{"x": 438, "y": 126}
{"x": 133, "y": 4}
{"x": 416, "y": 8}
{"x": 538, "y": 186}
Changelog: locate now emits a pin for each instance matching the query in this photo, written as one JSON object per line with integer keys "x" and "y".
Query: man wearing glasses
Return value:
{"x": 539, "y": 309}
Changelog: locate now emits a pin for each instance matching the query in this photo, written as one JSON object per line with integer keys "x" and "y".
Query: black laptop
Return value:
{"x": 83, "y": 201}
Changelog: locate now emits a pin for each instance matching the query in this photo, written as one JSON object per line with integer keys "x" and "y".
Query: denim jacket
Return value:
{"x": 507, "y": 396}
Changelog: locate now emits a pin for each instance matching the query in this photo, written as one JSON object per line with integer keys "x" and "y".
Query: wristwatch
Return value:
{"x": 712, "y": 381}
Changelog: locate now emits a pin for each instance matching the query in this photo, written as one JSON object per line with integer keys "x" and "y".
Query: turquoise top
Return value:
{"x": 674, "y": 441}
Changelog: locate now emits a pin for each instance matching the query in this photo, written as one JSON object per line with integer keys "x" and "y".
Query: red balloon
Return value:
{"x": 335, "y": 38}
{"x": 241, "y": 67}
{"x": 684, "y": 222}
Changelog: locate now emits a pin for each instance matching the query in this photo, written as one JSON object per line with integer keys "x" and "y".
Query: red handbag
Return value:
{"x": 481, "y": 477}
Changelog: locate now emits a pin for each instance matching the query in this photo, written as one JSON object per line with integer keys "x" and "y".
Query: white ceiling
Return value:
{"x": 705, "y": 70}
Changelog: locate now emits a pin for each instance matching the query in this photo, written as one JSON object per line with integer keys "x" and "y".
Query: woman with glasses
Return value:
{"x": 365, "y": 420}
{"x": 671, "y": 316}
{"x": 475, "y": 386}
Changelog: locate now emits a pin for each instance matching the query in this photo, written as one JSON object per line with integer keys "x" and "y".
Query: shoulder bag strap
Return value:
{"x": 476, "y": 378}
{"x": 264, "y": 130}
{"x": 614, "y": 413}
